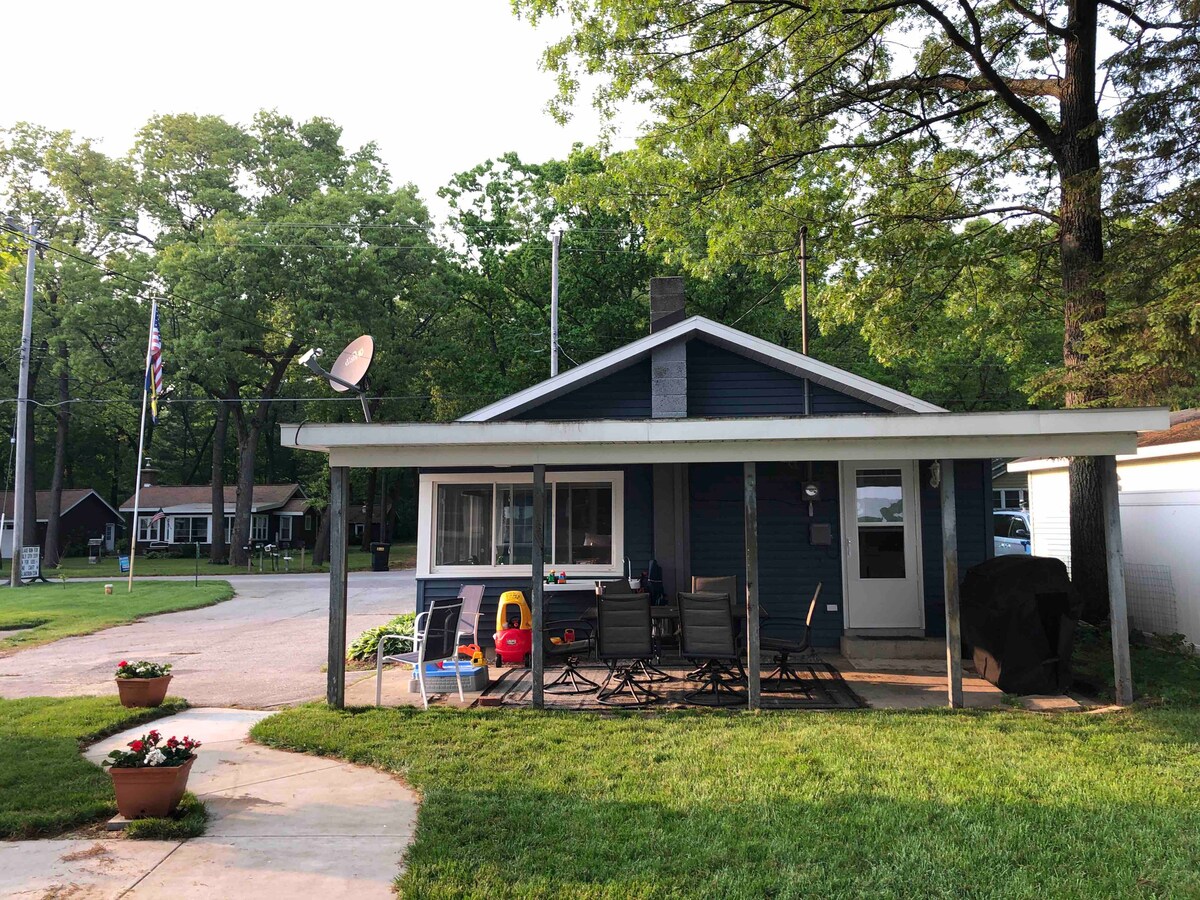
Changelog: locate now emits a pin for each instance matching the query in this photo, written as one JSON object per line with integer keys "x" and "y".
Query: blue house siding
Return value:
{"x": 724, "y": 383}
{"x": 638, "y": 547}
{"x": 789, "y": 566}
{"x": 973, "y": 507}
{"x": 622, "y": 395}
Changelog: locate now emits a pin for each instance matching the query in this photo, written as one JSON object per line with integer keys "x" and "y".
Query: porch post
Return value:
{"x": 1118, "y": 613}
{"x": 537, "y": 663}
{"x": 753, "y": 653}
{"x": 950, "y": 582}
{"x": 339, "y": 499}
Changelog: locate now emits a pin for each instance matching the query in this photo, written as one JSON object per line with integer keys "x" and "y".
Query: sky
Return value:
{"x": 439, "y": 86}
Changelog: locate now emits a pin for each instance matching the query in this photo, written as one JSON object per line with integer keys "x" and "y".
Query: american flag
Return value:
{"x": 158, "y": 517}
{"x": 154, "y": 374}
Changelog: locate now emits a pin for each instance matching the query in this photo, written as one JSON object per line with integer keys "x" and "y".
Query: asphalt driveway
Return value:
{"x": 265, "y": 647}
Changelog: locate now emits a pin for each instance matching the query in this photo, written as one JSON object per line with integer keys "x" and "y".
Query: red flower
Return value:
{"x": 136, "y": 746}
{"x": 172, "y": 742}
{"x": 122, "y": 664}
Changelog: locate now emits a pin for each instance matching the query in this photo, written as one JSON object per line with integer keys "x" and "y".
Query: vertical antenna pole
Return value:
{"x": 555, "y": 240}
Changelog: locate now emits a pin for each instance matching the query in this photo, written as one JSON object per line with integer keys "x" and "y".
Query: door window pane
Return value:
{"x": 878, "y": 496}
{"x": 881, "y": 552}
{"x": 583, "y": 524}
{"x": 464, "y": 525}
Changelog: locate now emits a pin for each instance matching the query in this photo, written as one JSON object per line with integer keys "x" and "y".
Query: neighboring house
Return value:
{"x": 1010, "y": 490}
{"x": 357, "y": 517}
{"x": 1160, "y": 522}
{"x": 83, "y": 515}
{"x": 651, "y": 451}
{"x": 280, "y": 514}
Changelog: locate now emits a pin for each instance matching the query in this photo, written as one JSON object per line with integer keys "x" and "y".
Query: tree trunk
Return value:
{"x": 248, "y": 433}
{"x": 1081, "y": 247}
{"x": 369, "y": 517}
{"x": 54, "y": 545}
{"x": 321, "y": 545}
{"x": 218, "y": 551}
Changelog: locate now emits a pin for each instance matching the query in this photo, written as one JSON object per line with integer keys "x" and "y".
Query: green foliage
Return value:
{"x": 188, "y": 821}
{"x": 779, "y": 804}
{"x": 365, "y": 647}
{"x": 46, "y": 786}
{"x": 924, "y": 148}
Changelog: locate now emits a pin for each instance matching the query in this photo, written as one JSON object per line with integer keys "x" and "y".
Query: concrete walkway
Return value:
{"x": 281, "y": 824}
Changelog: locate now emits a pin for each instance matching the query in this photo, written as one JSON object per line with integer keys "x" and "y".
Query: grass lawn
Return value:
{"x": 403, "y": 556}
{"x": 850, "y": 804}
{"x": 854, "y": 804}
{"x": 46, "y": 786}
{"x": 53, "y": 611}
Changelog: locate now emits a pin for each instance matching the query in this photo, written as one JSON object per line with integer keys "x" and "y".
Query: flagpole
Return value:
{"x": 137, "y": 488}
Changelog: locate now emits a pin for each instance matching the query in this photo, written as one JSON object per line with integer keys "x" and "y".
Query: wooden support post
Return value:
{"x": 753, "y": 651}
{"x": 538, "y": 662}
{"x": 950, "y": 583}
{"x": 1118, "y": 612}
{"x": 339, "y": 499}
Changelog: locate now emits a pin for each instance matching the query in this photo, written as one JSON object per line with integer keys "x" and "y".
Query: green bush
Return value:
{"x": 366, "y": 645}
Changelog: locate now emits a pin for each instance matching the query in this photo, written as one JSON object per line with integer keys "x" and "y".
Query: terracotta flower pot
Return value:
{"x": 150, "y": 792}
{"x": 143, "y": 691}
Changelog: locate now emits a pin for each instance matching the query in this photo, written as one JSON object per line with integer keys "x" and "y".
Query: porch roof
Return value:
{"x": 943, "y": 435}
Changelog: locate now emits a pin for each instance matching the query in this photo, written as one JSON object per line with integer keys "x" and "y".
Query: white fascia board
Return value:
{"x": 1157, "y": 451}
{"x": 914, "y": 436}
{"x": 731, "y": 339}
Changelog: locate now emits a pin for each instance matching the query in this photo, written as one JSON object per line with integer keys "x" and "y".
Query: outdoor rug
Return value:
{"x": 824, "y": 689}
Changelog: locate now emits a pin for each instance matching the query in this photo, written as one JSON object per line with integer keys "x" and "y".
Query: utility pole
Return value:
{"x": 23, "y": 409}
{"x": 555, "y": 241}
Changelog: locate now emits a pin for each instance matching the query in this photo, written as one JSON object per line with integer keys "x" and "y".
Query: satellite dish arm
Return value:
{"x": 310, "y": 361}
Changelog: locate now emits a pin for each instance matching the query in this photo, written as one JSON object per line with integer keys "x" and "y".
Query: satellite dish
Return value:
{"x": 352, "y": 364}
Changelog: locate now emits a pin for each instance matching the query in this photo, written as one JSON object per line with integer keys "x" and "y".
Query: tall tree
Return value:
{"x": 863, "y": 117}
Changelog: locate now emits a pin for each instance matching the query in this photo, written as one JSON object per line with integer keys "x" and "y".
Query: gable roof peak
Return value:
{"x": 725, "y": 336}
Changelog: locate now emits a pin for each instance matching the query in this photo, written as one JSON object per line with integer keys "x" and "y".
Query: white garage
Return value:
{"x": 1160, "y": 522}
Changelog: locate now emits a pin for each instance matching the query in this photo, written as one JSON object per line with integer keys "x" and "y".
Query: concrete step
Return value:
{"x": 861, "y": 647}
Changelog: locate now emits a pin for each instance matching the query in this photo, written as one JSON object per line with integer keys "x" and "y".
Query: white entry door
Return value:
{"x": 880, "y": 523}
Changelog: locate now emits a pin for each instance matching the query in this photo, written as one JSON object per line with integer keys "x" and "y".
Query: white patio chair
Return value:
{"x": 436, "y": 638}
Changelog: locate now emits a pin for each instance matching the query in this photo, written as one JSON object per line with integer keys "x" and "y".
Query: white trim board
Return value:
{"x": 723, "y": 336}
{"x": 1077, "y": 432}
{"x": 1155, "y": 451}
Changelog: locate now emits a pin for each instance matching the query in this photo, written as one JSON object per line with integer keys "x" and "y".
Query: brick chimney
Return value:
{"x": 668, "y": 363}
{"x": 149, "y": 476}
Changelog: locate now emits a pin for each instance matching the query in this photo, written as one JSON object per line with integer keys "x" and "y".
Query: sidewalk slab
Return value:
{"x": 95, "y": 870}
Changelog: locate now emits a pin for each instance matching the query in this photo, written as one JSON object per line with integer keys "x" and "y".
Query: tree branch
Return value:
{"x": 1145, "y": 24}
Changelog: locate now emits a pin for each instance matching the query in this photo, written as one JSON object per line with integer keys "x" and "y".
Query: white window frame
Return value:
{"x": 227, "y": 525}
{"x": 285, "y": 522}
{"x": 147, "y": 531}
{"x": 207, "y": 527}
{"x": 262, "y": 534}
{"x": 427, "y": 527}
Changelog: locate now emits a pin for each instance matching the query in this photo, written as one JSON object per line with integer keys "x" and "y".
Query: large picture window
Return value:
{"x": 489, "y": 524}
{"x": 189, "y": 529}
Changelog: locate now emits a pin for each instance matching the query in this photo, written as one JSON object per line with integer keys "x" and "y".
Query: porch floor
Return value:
{"x": 839, "y": 683}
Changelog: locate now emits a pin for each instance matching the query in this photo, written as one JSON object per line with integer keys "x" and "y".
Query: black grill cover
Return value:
{"x": 1018, "y": 617}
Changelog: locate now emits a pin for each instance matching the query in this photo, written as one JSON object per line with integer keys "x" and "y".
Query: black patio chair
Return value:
{"x": 785, "y": 676}
{"x": 706, "y": 639}
{"x": 624, "y": 640}
{"x": 568, "y": 654}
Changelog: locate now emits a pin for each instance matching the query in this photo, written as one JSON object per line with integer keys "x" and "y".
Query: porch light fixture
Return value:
{"x": 935, "y": 474}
